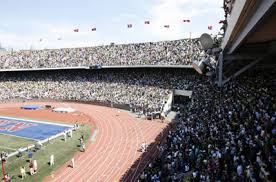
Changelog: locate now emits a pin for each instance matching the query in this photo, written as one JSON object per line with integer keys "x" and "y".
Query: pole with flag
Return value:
{"x": 187, "y": 21}
{"x": 210, "y": 27}
{"x": 190, "y": 48}
{"x": 129, "y": 25}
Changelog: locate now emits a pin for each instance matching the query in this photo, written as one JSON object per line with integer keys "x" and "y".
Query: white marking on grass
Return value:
{"x": 35, "y": 121}
{"x": 4, "y": 147}
{"x": 13, "y": 135}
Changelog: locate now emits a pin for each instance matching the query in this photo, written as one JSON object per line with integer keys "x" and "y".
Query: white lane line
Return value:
{"x": 93, "y": 137}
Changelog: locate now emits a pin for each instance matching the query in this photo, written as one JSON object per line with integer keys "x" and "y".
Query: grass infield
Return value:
{"x": 12, "y": 143}
{"x": 63, "y": 152}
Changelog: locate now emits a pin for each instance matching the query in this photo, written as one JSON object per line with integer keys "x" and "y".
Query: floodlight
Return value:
{"x": 201, "y": 65}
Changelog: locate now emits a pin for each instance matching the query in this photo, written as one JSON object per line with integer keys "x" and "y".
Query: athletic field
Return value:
{"x": 63, "y": 152}
{"x": 18, "y": 133}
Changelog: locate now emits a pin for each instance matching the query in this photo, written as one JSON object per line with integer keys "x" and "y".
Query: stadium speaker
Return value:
{"x": 206, "y": 41}
{"x": 200, "y": 66}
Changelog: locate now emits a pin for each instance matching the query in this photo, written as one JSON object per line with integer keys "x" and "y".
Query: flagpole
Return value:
{"x": 191, "y": 43}
{"x": 3, "y": 170}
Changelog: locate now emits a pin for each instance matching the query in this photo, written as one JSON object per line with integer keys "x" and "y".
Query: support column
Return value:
{"x": 220, "y": 70}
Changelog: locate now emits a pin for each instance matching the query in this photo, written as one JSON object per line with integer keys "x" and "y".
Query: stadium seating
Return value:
{"x": 144, "y": 90}
{"x": 226, "y": 135}
{"x": 177, "y": 52}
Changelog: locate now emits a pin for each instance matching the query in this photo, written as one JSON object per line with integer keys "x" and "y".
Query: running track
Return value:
{"x": 115, "y": 149}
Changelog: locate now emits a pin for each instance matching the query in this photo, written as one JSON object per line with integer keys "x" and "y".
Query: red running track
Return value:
{"x": 115, "y": 149}
{"x": 119, "y": 137}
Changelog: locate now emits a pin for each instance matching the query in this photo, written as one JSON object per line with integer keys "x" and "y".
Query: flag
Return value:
{"x": 93, "y": 29}
{"x": 210, "y": 27}
{"x": 167, "y": 26}
{"x": 76, "y": 30}
{"x": 147, "y": 22}
{"x": 188, "y": 21}
{"x": 129, "y": 25}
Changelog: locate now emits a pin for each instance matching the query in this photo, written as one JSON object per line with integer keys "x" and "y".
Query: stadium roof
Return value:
{"x": 250, "y": 37}
{"x": 251, "y": 22}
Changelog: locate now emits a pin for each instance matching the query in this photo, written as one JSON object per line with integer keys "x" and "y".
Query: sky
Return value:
{"x": 38, "y": 24}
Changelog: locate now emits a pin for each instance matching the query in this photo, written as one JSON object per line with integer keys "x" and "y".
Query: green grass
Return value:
{"x": 7, "y": 143}
{"x": 63, "y": 152}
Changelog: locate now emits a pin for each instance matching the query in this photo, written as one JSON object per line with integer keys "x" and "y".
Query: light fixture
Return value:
{"x": 208, "y": 63}
{"x": 200, "y": 66}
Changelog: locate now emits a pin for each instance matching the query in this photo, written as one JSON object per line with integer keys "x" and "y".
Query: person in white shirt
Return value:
{"x": 239, "y": 170}
{"x": 144, "y": 147}
{"x": 52, "y": 160}
{"x": 35, "y": 166}
{"x": 72, "y": 162}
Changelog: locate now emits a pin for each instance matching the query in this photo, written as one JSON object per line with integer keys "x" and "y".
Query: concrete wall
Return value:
{"x": 186, "y": 93}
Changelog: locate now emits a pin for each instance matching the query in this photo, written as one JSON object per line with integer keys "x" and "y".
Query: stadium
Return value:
{"x": 193, "y": 109}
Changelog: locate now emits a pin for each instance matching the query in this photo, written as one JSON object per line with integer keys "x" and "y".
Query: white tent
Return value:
{"x": 64, "y": 110}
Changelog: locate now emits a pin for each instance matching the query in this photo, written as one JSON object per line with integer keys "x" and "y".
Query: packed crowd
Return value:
{"x": 143, "y": 90}
{"x": 227, "y": 7}
{"x": 222, "y": 135}
{"x": 176, "y": 52}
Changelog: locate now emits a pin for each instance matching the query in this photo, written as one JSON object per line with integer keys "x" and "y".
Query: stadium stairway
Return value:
{"x": 171, "y": 116}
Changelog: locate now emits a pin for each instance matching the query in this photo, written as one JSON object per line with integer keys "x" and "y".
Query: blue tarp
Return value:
{"x": 30, "y": 129}
{"x": 33, "y": 107}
